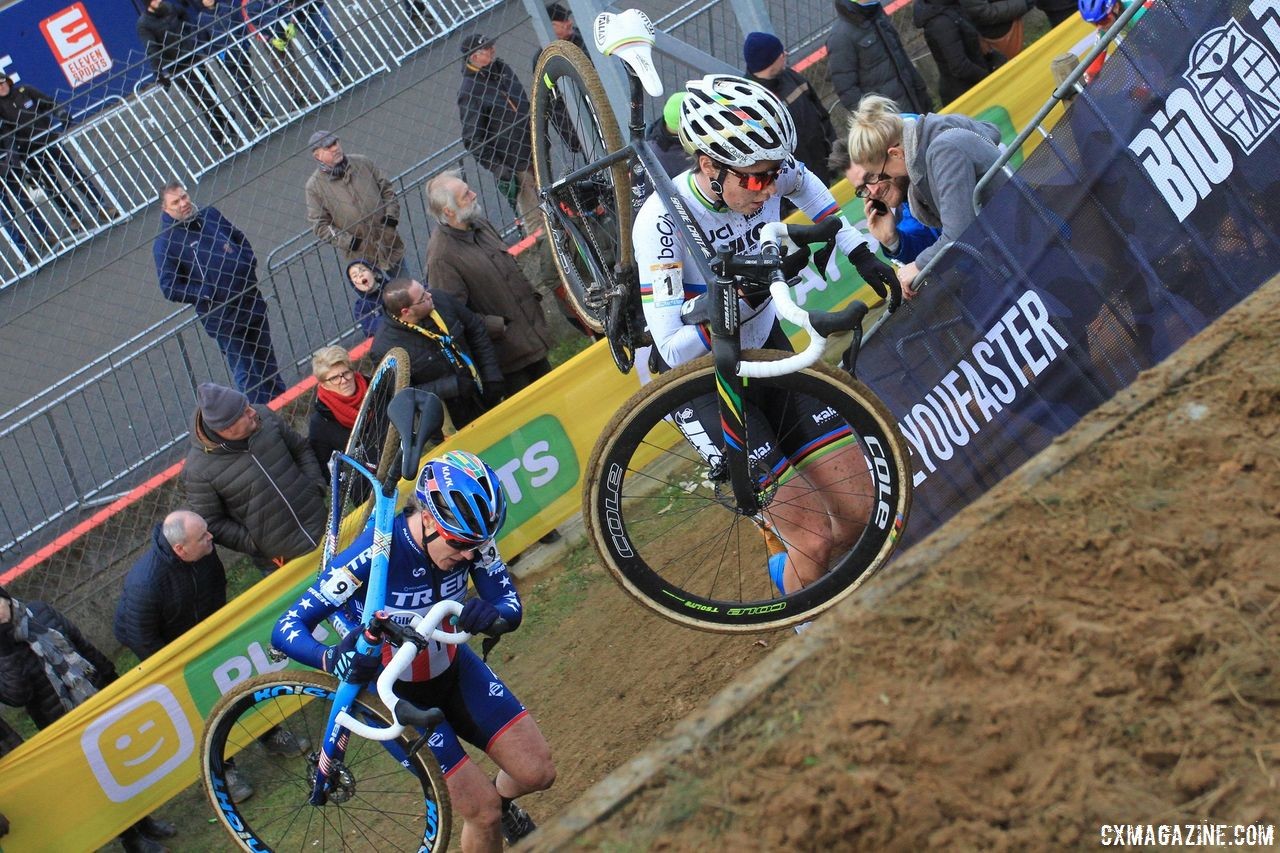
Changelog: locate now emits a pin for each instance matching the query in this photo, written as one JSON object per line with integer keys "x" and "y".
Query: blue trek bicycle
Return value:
{"x": 378, "y": 790}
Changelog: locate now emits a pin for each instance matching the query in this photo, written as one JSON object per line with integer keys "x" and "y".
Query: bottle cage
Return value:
{"x": 629, "y": 36}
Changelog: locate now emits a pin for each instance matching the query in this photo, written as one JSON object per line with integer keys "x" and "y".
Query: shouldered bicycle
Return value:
{"x": 707, "y": 527}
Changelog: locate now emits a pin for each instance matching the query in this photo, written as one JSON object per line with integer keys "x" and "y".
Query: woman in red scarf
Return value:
{"x": 339, "y": 392}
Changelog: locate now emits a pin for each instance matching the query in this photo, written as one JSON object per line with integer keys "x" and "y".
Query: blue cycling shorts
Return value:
{"x": 477, "y": 707}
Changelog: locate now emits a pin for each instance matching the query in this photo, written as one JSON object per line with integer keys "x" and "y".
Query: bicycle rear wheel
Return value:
{"x": 588, "y": 221}
{"x": 662, "y": 515}
{"x": 375, "y": 442}
{"x": 377, "y": 803}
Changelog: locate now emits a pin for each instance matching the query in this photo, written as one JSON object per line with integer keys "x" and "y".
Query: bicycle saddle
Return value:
{"x": 629, "y": 36}
{"x": 417, "y": 415}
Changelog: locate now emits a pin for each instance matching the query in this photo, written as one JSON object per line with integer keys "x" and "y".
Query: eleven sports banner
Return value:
{"x": 131, "y": 748}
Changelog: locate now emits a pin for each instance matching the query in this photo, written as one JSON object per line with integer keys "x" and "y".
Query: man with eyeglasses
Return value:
{"x": 441, "y": 544}
{"x": 884, "y": 202}
{"x": 450, "y": 353}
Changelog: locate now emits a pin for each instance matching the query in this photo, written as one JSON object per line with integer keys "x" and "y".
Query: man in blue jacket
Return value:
{"x": 205, "y": 261}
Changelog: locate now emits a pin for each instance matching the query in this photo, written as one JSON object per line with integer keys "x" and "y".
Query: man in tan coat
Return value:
{"x": 467, "y": 259}
{"x": 352, "y": 206}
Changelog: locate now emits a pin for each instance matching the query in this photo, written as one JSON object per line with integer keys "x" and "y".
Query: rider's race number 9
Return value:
{"x": 339, "y": 586}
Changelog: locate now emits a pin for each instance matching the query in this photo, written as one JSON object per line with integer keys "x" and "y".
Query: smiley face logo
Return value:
{"x": 137, "y": 742}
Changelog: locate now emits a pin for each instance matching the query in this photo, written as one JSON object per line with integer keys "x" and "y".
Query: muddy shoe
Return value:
{"x": 516, "y": 823}
{"x": 286, "y": 743}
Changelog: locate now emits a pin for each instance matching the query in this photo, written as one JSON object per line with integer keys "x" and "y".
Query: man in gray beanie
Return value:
{"x": 253, "y": 479}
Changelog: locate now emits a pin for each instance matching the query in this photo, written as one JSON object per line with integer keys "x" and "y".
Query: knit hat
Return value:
{"x": 322, "y": 139}
{"x": 557, "y": 12}
{"x": 671, "y": 112}
{"x": 474, "y": 42}
{"x": 760, "y": 50}
{"x": 220, "y": 406}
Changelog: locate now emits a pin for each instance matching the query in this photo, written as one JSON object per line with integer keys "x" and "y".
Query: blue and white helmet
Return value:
{"x": 735, "y": 121}
{"x": 463, "y": 495}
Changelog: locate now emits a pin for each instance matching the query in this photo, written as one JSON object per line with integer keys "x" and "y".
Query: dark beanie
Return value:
{"x": 760, "y": 50}
{"x": 220, "y": 406}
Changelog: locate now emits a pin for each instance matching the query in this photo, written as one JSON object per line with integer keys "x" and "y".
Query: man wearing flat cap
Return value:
{"x": 766, "y": 61}
{"x": 253, "y": 479}
{"x": 494, "y": 110}
{"x": 352, "y": 206}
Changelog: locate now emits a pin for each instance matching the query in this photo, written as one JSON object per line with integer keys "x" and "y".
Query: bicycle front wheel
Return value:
{"x": 373, "y": 441}
{"x": 833, "y": 477}
{"x": 266, "y": 734}
{"x": 588, "y": 220}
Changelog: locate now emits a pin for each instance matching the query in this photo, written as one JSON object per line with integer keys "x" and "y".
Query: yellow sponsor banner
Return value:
{"x": 132, "y": 747}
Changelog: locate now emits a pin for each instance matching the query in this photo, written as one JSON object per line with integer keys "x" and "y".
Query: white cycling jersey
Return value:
{"x": 666, "y": 281}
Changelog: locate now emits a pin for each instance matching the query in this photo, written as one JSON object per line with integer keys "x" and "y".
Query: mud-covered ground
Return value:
{"x": 1102, "y": 648}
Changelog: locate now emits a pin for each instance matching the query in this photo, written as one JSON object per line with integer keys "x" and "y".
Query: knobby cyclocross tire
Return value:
{"x": 589, "y": 223}
{"x": 378, "y": 803}
{"x": 666, "y": 523}
{"x": 374, "y": 441}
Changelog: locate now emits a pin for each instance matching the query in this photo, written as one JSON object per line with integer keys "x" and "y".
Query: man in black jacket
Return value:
{"x": 253, "y": 479}
{"x": 450, "y": 353}
{"x": 26, "y": 118}
{"x": 175, "y": 585}
{"x": 865, "y": 56}
{"x": 48, "y": 667}
{"x": 172, "y": 588}
{"x": 166, "y": 29}
{"x": 494, "y": 109}
{"x": 766, "y": 61}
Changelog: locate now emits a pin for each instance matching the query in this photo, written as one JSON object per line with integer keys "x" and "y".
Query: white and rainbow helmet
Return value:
{"x": 735, "y": 121}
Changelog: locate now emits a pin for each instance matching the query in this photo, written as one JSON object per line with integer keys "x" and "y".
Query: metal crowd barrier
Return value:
{"x": 105, "y": 170}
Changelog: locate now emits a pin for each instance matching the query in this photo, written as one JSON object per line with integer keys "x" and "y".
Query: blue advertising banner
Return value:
{"x": 1148, "y": 212}
{"x": 82, "y": 49}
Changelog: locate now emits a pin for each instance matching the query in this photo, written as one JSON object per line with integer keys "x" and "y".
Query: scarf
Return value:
{"x": 451, "y": 351}
{"x": 344, "y": 408}
{"x": 67, "y": 671}
{"x": 336, "y": 171}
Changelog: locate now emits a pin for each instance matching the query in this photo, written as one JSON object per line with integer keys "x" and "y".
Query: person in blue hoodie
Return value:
{"x": 366, "y": 279}
{"x": 205, "y": 261}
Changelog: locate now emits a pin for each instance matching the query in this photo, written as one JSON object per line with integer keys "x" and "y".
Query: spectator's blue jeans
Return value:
{"x": 313, "y": 19}
{"x": 244, "y": 336}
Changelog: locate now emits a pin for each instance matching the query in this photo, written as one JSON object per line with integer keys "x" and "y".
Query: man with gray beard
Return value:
{"x": 466, "y": 258}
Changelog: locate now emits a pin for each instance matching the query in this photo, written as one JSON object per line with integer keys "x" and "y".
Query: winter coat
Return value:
{"x": 865, "y": 56}
{"x": 994, "y": 17}
{"x": 945, "y": 156}
{"x": 357, "y": 213}
{"x": 27, "y": 116}
{"x": 954, "y": 42}
{"x": 170, "y": 39}
{"x": 208, "y": 262}
{"x": 23, "y": 680}
{"x": 475, "y": 266}
{"x": 494, "y": 109}
{"x": 1058, "y": 10}
{"x": 815, "y": 135}
{"x": 667, "y": 146}
{"x": 9, "y": 738}
{"x": 324, "y": 433}
{"x": 263, "y": 496}
{"x": 430, "y": 370}
{"x": 366, "y": 310}
{"x": 164, "y": 596}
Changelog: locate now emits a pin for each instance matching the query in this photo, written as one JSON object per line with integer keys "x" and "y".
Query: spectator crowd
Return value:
{"x": 472, "y": 323}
